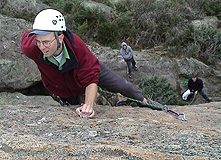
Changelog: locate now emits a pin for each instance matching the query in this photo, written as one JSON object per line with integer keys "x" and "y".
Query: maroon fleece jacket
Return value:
{"x": 77, "y": 73}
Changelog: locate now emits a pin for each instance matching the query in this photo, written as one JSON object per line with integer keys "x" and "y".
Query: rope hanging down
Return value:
{"x": 150, "y": 104}
{"x": 193, "y": 99}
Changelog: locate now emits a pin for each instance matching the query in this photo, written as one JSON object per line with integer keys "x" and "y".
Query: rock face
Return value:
{"x": 91, "y": 5}
{"x": 26, "y": 8}
{"x": 38, "y": 128}
{"x": 209, "y": 21}
{"x": 17, "y": 71}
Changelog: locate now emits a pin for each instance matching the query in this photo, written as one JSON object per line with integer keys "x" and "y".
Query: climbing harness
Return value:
{"x": 151, "y": 104}
{"x": 59, "y": 100}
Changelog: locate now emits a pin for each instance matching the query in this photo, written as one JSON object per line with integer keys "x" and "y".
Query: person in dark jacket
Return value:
{"x": 195, "y": 85}
{"x": 68, "y": 68}
{"x": 127, "y": 53}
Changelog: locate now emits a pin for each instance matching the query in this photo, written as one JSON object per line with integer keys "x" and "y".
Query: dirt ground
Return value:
{"x": 37, "y": 127}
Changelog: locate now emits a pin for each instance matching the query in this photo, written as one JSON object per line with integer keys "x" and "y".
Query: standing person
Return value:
{"x": 195, "y": 85}
{"x": 127, "y": 53}
{"x": 68, "y": 68}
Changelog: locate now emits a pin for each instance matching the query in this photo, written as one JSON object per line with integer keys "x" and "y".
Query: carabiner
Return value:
{"x": 182, "y": 118}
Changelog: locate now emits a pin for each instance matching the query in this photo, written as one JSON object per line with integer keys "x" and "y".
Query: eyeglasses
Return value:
{"x": 44, "y": 43}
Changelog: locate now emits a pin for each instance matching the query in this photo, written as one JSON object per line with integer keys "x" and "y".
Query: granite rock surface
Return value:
{"x": 37, "y": 127}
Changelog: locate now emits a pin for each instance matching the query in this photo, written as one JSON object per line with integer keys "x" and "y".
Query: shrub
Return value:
{"x": 184, "y": 82}
{"x": 212, "y": 8}
{"x": 158, "y": 90}
{"x": 107, "y": 33}
{"x": 125, "y": 27}
{"x": 203, "y": 44}
{"x": 96, "y": 26}
{"x": 209, "y": 42}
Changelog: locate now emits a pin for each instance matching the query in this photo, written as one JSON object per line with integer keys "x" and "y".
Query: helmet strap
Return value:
{"x": 58, "y": 43}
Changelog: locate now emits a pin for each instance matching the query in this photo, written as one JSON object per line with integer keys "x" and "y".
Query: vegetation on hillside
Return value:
{"x": 159, "y": 90}
{"x": 145, "y": 24}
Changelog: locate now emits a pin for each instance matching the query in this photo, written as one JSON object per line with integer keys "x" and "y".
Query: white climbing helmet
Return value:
{"x": 49, "y": 20}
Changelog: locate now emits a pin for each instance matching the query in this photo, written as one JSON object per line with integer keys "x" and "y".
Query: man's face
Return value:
{"x": 47, "y": 43}
{"x": 124, "y": 46}
{"x": 194, "y": 79}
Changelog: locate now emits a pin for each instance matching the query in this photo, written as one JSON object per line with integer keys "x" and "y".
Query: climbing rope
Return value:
{"x": 100, "y": 90}
{"x": 194, "y": 97}
{"x": 151, "y": 104}
{"x": 102, "y": 93}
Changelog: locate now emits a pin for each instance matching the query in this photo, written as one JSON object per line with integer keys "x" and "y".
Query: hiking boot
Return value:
{"x": 208, "y": 100}
{"x": 129, "y": 76}
{"x": 135, "y": 68}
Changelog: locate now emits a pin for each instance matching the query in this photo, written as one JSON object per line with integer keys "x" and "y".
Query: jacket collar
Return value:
{"x": 71, "y": 63}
